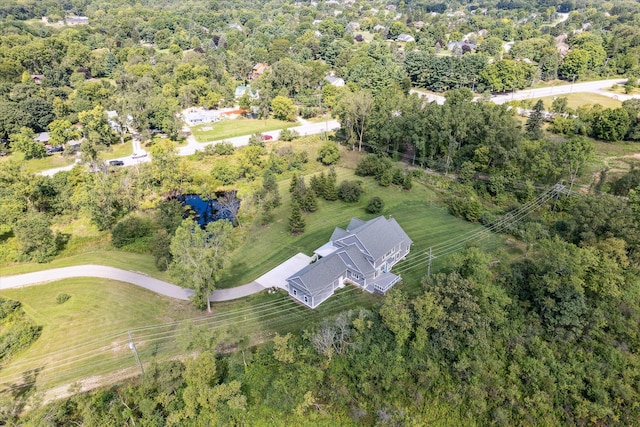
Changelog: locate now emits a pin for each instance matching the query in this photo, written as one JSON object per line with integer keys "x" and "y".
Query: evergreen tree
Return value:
{"x": 317, "y": 184}
{"x": 300, "y": 191}
{"x": 296, "y": 220}
{"x": 294, "y": 183}
{"x": 330, "y": 188}
{"x": 310, "y": 201}
{"x": 534, "y": 122}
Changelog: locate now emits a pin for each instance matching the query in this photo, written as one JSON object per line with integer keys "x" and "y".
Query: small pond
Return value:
{"x": 207, "y": 210}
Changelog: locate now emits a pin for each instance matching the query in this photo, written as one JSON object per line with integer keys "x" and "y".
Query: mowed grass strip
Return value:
{"x": 142, "y": 263}
{"x": 237, "y": 127}
{"x": 579, "y": 99}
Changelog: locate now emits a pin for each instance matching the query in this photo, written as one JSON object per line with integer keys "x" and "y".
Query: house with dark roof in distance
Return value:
{"x": 362, "y": 254}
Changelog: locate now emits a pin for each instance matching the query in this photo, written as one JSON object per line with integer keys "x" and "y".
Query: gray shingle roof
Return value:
{"x": 360, "y": 240}
{"x": 317, "y": 276}
{"x": 376, "y": 236}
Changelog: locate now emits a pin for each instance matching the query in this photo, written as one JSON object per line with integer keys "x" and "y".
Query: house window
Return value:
{"x": 306, "y": 300}
{"x": 295, "y": 292}
{"x": 355, "y": 275}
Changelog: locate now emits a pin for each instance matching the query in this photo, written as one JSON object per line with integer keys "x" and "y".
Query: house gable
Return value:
{"x": 363, "y": 254}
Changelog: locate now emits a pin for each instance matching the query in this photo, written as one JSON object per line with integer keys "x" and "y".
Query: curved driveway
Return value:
{"x": 155, "y": 285}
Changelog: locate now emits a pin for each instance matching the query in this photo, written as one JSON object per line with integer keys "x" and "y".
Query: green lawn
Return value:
{"x": 580, "y": 99}
{"x": 118, "y": 150}
{"x": 56, "y": 160}
{"x": 237, "y": 127}
{"x": 142, "y": 263}
{"x": 415, "y": 210}
{"x": 87, "y": 334}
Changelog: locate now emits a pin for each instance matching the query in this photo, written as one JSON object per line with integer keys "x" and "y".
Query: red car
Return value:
{"x": 267, "y": 137}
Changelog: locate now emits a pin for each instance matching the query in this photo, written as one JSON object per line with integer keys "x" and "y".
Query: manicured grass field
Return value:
{"x": 118, "y": 150}
{"x": 237, "y": 127}
{"x": 580, "y": 99}
{"x": 56, "y": 160}
{"x": 426, "y": 223}
{"x": 87, "y": 333}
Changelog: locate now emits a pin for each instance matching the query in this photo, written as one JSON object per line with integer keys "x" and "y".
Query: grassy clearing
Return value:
{"x": 118, "y": 150}
{"x": 579, "y": 99}
{"x": 415, "y": 210}
{"x": 237, "y": 127}
{"x": 56, "y": 160}
{"x": 87, "y": 333}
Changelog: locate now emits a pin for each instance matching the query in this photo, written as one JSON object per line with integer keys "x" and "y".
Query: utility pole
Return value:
{"x": 132, "y": 346}
{"x": 429, "y": 265}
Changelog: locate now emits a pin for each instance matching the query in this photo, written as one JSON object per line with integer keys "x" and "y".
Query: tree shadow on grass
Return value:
{"x": 14, "y": 398}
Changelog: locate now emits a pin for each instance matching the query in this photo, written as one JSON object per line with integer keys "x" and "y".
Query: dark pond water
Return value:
{"x": 206, "y": 210}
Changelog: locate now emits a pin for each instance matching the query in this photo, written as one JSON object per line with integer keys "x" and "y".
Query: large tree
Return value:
{"x": 199, "y": 256}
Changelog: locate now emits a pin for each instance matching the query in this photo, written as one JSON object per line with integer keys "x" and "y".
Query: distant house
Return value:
{"x": 242, "y": 89}
{"x": 43, "y": 137}
{"x": 405, "y": 38}
{"x": 418, "y": 24}
{"x": 362, "y": 254}
{"x": 463, "y": 46}
{"x": 334, "y": 81}
{"x": 37, "y": 78}
{"x": 199, "y": 116}
{"x": 379, "y": 28}
{"x": 235, "y": 26}
{"x": 259, "y": 69}
{"x": 77, "y": 20}
{"x": 352, "y": 26}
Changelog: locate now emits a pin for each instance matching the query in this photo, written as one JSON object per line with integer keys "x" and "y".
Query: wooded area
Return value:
{"x": 541, "y": 328}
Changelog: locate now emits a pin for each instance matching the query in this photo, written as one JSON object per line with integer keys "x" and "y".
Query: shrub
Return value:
{"x": 329, "y": 153}
{"x": 468, "y": 208}
{"x": 288, "y": 135}
{"x": 225, "y": 172}
{"x": 349, "y": 191}
{"x": 62, "y": 298}
{"x": 129, "y": 229}
{"x": 223, "y": 148}
{"x": 375, "y": 205}
{"x": 386, "y": 178}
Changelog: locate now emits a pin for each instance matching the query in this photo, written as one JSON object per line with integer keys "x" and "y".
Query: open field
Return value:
{"x": 87, "y": 330}
{"x": 55, "y": 160}
{"x": 580, "y": 99}
{"x": 88, "y": 335}
{"x": 425, "y": 222}
{"x": 237, "y": 127}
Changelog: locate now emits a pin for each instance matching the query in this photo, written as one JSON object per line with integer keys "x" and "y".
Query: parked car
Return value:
{"x": 55, "y": 149}
{"x": 267, "y": 137}
{"x": 116, "y": 163}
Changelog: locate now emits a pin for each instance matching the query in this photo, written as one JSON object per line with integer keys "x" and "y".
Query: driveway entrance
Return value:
{"x": 278, "y": 276}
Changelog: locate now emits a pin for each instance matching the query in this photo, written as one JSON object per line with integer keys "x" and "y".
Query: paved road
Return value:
{"x": 590, "y": 87}
{"x": 307, "y": 128}
{"x": 155, "y": 285}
